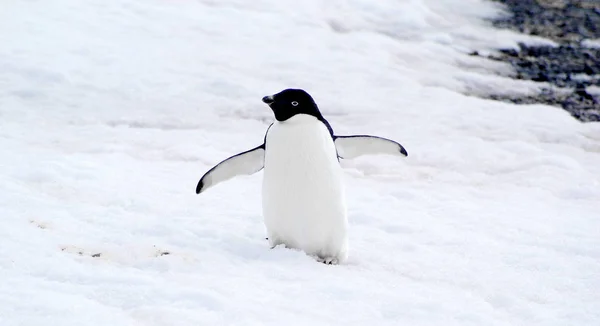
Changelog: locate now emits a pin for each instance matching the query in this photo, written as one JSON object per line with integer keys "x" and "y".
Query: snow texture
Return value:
{"x": 110, "y": 112}
{"x": 595, "y": 43}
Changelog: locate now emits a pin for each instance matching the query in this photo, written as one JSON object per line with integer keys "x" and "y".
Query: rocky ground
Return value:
{"x": 573, "y": 67}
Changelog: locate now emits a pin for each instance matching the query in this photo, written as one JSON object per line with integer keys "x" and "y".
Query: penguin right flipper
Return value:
{"x": 349, "y": 147}
{"x": 248, "y": 162}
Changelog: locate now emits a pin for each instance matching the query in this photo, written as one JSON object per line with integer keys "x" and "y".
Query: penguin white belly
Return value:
{"x": 303, "y": 196}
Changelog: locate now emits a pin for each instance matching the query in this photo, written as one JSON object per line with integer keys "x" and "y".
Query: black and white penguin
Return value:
{"x": 303, "y": 196}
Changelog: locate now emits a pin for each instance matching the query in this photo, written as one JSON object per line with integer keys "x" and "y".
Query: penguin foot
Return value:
{"x": 328, "y": 260}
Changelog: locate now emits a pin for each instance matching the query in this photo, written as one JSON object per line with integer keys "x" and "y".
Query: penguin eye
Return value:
{"x": 294, "y": 103}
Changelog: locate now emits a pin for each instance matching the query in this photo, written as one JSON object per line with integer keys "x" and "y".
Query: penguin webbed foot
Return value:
{"x": 328, "y": 260}
{"x": 324, "y": 260}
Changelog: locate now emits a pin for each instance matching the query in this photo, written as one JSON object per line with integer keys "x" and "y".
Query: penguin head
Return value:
{"x": 290, "y": 102}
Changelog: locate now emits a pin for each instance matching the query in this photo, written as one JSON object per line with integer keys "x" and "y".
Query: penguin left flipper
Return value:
{"x": 248, "y": 162}
{"x": 349, "y": 147}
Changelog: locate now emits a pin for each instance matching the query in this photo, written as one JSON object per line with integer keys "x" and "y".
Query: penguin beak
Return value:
{"x": 268, "y": 99}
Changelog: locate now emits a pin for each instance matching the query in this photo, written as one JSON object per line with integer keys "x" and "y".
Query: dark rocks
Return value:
{"x": 580, "y": 104}
{"x": 563, "y": 66}
{"x": 571, "y": 65}
{"x": 566, "y": 21}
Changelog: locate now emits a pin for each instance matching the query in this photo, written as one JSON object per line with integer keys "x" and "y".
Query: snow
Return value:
{"x": 591, "y": 43}
{"x": 110, "y": 112}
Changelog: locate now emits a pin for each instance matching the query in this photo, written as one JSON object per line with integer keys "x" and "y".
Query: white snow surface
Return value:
{"x": 591, "y": 43}
{"x": 110, "y": 112}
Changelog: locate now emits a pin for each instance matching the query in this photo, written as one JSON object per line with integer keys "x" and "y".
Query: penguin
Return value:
{"x": 303, "y": 198}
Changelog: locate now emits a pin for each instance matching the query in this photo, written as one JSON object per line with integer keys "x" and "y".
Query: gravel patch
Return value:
{"x": 573, "y": 67}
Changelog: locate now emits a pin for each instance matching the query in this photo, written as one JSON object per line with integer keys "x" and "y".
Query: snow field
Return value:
{"x": 110, "y": 111}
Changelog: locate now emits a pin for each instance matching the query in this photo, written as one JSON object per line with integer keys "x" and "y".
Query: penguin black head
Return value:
{"x": 290, "y": 102}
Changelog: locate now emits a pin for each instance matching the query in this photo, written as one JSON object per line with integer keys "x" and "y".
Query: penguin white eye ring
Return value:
{"x": 303, "y": 201}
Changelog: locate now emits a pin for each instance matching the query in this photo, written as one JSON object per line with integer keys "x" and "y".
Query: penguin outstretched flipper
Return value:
{"x": 248, "y": 162}
{"x": 349, "y": 147}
